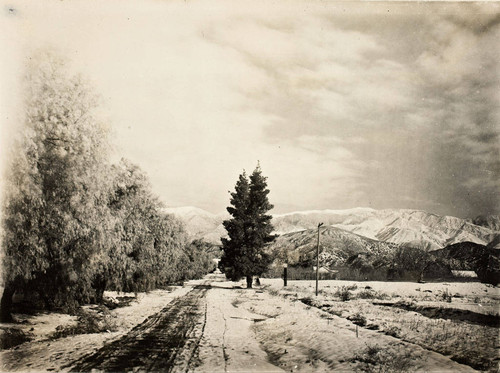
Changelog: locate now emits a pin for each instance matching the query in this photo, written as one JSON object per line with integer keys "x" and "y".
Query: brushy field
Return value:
{"x": 459, "y": 320}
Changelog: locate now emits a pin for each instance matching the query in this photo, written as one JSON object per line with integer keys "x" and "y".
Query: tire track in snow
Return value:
{"x": 192, "y": 363}
{"x": 224, "y": 352}
{"x": 155, "y": 344}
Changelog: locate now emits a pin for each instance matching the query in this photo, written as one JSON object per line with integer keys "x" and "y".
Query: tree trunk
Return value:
{"x": 249, "y": 282}
{"x": 42, "y": 293}
{"x": 6, "y": 304}
{"x": 99, "y": 285}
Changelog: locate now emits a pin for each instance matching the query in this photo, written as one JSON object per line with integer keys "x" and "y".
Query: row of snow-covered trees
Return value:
{"x": 73, "y": 224}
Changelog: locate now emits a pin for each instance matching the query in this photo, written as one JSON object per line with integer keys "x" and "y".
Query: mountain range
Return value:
{"x": 337, "y": 245}
{"x": 367, "y": 239}
{"x": 200, "y": 224}
{"x": 395, "y": 226}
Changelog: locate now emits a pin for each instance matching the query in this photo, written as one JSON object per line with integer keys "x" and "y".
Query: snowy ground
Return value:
{"x": 266, "y": 329}
{"x": 459, "y": 320}
{"x": 229, "y": 343}
{"x": 468, "y": 290}
{"x": 46, "y": 354}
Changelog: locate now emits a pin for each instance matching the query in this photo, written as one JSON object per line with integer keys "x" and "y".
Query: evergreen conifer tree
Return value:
{"x": 249, "y": 229}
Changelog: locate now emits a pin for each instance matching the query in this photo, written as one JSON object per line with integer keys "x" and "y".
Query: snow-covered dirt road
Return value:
{"x": 201, "y": 331}
{"x": 159, "y": 344}
{"x": 215, "y": 325}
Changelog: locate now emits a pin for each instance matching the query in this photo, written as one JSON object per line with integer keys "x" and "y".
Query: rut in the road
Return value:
{"x": 154, "y": 344}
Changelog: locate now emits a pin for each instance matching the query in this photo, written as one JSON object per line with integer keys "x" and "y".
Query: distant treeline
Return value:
{"x": 405, "y": 263}
{"x": 73, "y": 224}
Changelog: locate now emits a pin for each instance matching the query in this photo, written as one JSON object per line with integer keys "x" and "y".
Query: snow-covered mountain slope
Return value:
{"x": 336, "y": 246}
{"x": 489, "y": 221}
{"x": 410, "y": 227}
{"x": 407, "y": 227}
{"x": 200, "y": 224}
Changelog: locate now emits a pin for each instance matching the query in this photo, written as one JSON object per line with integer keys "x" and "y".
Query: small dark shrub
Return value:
{"x": 393, "y": 331}
{"x": 344, "y": 293}
{"x": 88, "y": 322}
{"x": 377, "y": 359}
{"x": 273, "y": 292}
{"x": 357, "y": 319}
{"x": 371, "y": 294}
{"x": 366, "y": 294}
{"x": 336, "y": 312}
{"x": 307, "y": 300}
{"x": 11, "y": 337}
{"x": 372, "y": 351}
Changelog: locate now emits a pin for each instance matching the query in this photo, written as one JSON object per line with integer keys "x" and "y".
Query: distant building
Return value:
{"x": 464, "y": 274}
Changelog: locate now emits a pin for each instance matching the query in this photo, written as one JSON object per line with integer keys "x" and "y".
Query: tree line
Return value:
{"x": 73, "y": 223}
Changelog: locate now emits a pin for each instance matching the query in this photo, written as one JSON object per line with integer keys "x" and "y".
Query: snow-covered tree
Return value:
{"x": 72, "y": 224}
{"x": 55, "y": 215}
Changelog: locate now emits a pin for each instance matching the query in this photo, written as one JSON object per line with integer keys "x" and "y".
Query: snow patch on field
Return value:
{"x": 435, "y": 319}
{"x": 42, "y": 325}
{"x": 305, "y": 339}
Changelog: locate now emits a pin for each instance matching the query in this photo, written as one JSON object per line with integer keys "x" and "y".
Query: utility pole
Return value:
{"x": 317, "y": 261}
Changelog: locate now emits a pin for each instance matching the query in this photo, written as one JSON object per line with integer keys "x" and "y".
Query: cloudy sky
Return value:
{"x": 383, "y": 105}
